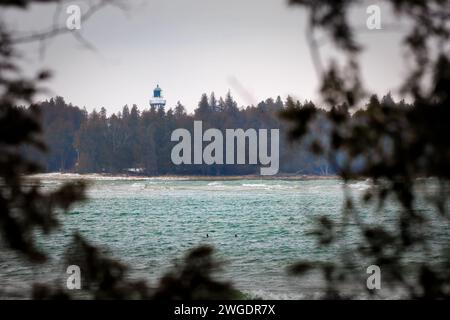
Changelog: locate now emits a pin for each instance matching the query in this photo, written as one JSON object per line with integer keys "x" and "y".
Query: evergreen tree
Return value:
{"x": 180, "y": 110}
{"x": 203, "y": 110}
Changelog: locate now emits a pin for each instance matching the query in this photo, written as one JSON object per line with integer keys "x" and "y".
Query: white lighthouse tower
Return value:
{"x": 157, "y": 100}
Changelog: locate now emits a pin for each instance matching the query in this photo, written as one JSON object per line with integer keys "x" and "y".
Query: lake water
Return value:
{"x": 258, "y": 227}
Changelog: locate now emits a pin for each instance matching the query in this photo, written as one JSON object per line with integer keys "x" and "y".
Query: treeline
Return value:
{"x": 138, "y": 141}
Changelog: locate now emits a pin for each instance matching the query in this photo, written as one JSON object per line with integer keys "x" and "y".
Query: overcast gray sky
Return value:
{"x": 255, "y": 48}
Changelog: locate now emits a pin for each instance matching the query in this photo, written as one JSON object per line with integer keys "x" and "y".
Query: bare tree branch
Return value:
{"x": 314, "y": 51}
{"x": 56, "y": 30}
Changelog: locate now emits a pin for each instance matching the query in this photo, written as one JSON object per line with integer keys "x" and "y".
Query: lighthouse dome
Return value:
{"x": 157, "y": 92}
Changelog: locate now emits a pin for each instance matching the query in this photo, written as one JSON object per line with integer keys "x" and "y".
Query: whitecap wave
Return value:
{"x": 254, "y": 185}
{"x": 215, "y": 184}
{"x": 360, "y": 185}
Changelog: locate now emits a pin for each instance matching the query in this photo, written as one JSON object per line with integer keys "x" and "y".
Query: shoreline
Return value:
{"x": 93, "y": 176}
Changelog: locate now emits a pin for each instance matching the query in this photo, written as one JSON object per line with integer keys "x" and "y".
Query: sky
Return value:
{"x": 255, "y": 49}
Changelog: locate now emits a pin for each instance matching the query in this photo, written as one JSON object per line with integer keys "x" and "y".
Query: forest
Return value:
{"x": 137, "y": 141}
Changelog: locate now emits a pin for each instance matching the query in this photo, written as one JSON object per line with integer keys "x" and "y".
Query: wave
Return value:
{"x": 141, "y": 183}
{"x": 254, "y": 185}
{"x": 215, "y": 184}
{"x": 361, "y": 185}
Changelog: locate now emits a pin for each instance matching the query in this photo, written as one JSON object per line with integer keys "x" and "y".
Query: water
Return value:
{"x": 149, "y": 222}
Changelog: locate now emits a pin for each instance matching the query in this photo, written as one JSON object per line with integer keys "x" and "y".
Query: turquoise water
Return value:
{"x": 258, "y": 227}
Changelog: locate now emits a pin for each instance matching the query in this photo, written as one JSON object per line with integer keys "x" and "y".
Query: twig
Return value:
{"x": 58, "y": 30}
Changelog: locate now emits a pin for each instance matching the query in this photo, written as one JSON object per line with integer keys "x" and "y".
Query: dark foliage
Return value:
{"x": 192, "y": 279}
{"x": 400, "y": 148}
{"x": 24, "y": 207}
{"x": 104, "y": 277}
{"x": 26, "y": 210}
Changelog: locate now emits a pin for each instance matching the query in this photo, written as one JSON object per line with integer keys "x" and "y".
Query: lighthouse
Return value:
{"x": 157, "y": 100}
